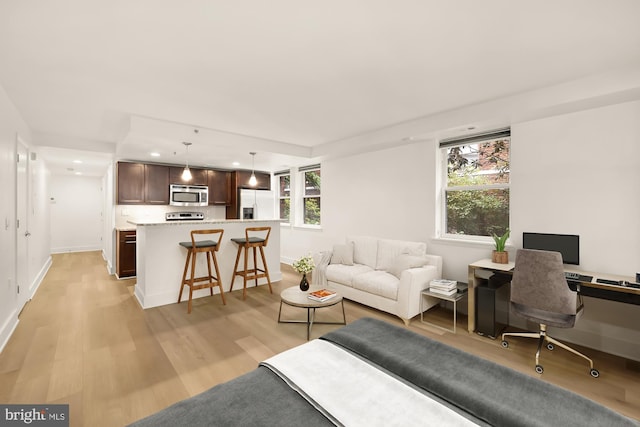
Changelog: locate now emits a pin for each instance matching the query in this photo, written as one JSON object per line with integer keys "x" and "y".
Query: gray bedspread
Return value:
{"x": 494, "y": 394}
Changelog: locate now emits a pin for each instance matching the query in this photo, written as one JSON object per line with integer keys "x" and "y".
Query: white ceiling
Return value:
{"x": 288, "y": 79}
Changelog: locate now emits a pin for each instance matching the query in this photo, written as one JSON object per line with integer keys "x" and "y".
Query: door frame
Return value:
{"x": 22, "y": 223}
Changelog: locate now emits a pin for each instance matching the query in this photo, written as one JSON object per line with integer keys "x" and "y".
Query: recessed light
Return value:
{"x": 77, "y": 162}
{"x": 236, "y": 163}
{"x": 154, "y": 154}
{"x": 78, "y": 173}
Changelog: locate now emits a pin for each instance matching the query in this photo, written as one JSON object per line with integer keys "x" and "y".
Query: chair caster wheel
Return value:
{"x": 505, "y": 344}
{"x": 594, "y": 373}
{"x": 539, "y": 369}
{"x": 550, "y": 347}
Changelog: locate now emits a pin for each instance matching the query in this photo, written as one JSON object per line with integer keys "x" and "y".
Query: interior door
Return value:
{"x": 22, "y": 229}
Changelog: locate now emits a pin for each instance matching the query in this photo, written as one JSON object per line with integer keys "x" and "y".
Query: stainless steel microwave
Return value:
{"x": 188, "y": 195}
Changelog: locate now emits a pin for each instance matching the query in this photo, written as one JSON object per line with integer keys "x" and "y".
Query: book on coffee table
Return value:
{"x": 322, "y": 295}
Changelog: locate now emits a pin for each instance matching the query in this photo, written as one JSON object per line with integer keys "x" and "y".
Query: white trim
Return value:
{"x": 7, "y": 330}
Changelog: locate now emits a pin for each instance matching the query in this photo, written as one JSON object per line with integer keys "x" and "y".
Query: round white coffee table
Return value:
{"x": 294, "y": 297}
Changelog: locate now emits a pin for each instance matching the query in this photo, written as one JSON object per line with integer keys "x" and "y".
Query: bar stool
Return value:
{"x": 255, "y": 237}
{"x": 209, "y": 248}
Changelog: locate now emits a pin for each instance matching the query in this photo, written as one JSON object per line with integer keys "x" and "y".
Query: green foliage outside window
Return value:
{"x": 284, "y": 197}
{"x": 312, "y": 211}
{"x": 312, "y": 197}
{"x": 477, "y": 193}
{"x": 285, "y": 209}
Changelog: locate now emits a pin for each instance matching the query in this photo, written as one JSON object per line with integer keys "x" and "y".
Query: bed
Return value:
{"x": 373, "y": 373}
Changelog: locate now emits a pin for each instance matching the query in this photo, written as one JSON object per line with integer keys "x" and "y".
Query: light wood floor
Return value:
{"x": 85, "y": 341}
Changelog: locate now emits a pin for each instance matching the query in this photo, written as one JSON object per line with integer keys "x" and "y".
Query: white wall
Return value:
{"x": 108, "y": 209}
{"x": 385, "y": 193}
{"x": 39, "y": 227}
{"x": 571, "y": 173}
{"x": 11, "y": 125}
{"x": 579, "y": 174}
{"x": 76, "y": 204}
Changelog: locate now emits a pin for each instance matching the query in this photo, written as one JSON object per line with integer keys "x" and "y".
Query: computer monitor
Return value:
{"x": 567, "y": 244}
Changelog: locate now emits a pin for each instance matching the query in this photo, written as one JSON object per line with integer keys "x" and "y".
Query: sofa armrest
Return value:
{"x": 412, "y": 282}
{"x": 436, "y": 261}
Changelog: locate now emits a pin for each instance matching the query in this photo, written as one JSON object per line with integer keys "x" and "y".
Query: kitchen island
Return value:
{"x": 160, "y": 259}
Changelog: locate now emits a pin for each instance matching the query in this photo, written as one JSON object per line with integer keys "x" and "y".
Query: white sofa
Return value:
{"x": 384, "y": 274}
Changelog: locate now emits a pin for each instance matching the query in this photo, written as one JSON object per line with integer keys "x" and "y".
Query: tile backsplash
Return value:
{"x": 125, "y": 213}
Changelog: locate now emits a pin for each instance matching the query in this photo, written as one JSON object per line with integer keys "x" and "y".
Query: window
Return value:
{"x": 284, "y": 196}
{"x": 476, "y": 187}
{"x": 311, "y": 195}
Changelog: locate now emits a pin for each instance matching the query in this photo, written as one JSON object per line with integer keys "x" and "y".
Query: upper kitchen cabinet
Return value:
{"x": 142, "y": 184}
{"x": 130, "y": 183}
{"x": 198, "y": 176}
{"x": 219, "y": 187}
{"x": 156, "y": 184}
{"x": 264, "y": 180}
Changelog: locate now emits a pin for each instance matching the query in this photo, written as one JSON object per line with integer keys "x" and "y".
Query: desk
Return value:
{"x": 591, "y": 289}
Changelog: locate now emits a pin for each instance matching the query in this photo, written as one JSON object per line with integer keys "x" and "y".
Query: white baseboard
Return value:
{"x": 64, "y": 250}
{"x": 40, "y": 277}
{"x": 7, "y": 329}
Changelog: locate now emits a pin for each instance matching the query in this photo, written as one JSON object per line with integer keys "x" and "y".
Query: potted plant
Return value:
{"x": 303, "y": 266}
{"x": 499, "y": 255}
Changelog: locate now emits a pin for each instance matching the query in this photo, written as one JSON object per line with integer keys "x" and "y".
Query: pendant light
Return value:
{"x": 253, "y": 181}
{"x": 186, "y": 173}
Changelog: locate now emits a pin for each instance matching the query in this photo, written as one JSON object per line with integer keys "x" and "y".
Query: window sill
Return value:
{"x": 307, "y": 227}
{"x": 467, "y": 242}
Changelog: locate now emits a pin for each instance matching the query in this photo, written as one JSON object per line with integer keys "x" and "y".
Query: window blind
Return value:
{"x": 309, "y": 167}
{"x": 478, "y": 137}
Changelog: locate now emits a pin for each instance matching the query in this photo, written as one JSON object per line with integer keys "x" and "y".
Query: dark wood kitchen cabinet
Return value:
{"x": 126, "y": 253}
{"x": 156, "y": 185}
{"x": 219, "y": 187}
{"x": 142, "y": 184}
{"x": 199, "y": 176}
{"x": 263, "y": 179}
{"x": 130, "y": 183}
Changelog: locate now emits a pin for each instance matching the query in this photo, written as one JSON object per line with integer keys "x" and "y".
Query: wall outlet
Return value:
{"x": 125, "y": 212}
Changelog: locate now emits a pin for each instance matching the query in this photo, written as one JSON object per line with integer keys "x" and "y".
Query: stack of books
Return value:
{"x": 443, "y": 287}
{"x": 322, "y": 295}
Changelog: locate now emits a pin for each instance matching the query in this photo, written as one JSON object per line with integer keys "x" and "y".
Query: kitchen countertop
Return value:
{"x": 137, "y": 222}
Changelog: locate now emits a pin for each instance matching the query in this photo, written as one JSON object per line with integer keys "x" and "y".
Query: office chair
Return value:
{"x": 539, "y": 293}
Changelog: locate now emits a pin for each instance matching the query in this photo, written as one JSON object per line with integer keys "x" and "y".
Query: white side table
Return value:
{"x": 452, "y": 298}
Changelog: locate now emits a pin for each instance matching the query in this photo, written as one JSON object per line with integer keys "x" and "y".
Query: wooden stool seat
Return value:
{"x": 255, "y": 237}
{"x": 209, "y": 248}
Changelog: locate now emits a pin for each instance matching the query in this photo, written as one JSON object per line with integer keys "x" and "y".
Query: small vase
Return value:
{"x": 500, "y": 257}
{"x": 304, "y": 284}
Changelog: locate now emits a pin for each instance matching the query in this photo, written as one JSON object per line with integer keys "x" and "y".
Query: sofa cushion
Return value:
{"x": 344, "y": 274}
{"x": 405, "y": 261}
{"x": 365, "y": 250}
{"x": 342, "y": 254}
{"x": 377, "y": 282}
{"x": 388, "y": 251}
